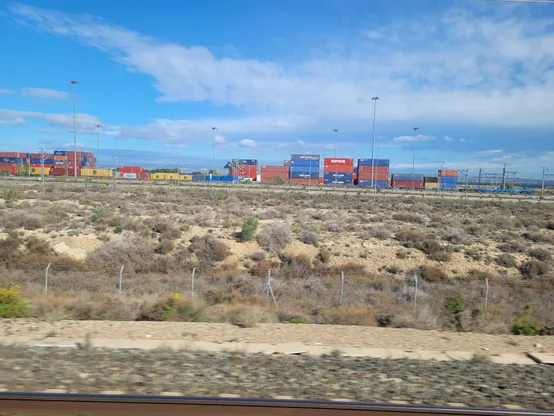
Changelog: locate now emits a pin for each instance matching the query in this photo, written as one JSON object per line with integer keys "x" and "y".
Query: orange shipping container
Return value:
{"x": 378, "y": 176}
{"x": 448, "y": 173}
{"x": 338, "y": 168}
{"x": 60, "y": 157}
{"x": 374, "y": 169}
{"x": 298, "y": 181}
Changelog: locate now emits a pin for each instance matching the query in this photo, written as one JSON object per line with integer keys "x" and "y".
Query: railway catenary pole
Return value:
{"x": 544, "y": 170}
{"x": 74, "y": 83}
{"x": 98, "y": 126}
{"x": 440, "y": 175}
{"x": 213, "y": 153}
{"x": 413, "y": 156}
{"x": 374, "y": 99}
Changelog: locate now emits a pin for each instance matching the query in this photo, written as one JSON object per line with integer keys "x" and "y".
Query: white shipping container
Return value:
{"x": 129, "y": 175}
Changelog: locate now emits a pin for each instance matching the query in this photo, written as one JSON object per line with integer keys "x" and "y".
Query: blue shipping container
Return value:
{"x": 227, "y": 178}
{"x": 297, "y": 156}
{"x": 448, "y": 186}
{"x": 448, "y": 179}
{"x": 198, "y": 178}
{"x": 304, "y": 175}
{"x": 8, "y": 160}
{"x": 245, "y": 161}
{"x": 60, "y": 152}
{"x": 304, "y": 163}
{"x": 336, "y": 182}
{"x": 378, "y": 162}
{"x": 304, "y": 169}
{"x": 407, "y": 177}
{"x": 342, "y": 176}
{"x": 59, "y": 162}
{"x": 378, "y": 184}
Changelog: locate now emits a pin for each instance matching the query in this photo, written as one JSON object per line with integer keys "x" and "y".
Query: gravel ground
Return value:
{"x": 327, "y": 335}
{"x": 91, "y": 370}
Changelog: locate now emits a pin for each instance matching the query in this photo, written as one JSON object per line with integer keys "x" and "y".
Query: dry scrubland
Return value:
{"x": 161, "y": 234}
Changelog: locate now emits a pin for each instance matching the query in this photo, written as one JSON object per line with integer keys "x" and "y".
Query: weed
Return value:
{"x": 308, "y": 237}
{"x": 523, "y": 324}
{"x": 249, "y": 228}
{"x": 454, "y": 306}
{"x": 11, "y": 303}
{"x": 275, "y": 237}
{"x": 533, "y": 269}
{"x": 506, "y": 260}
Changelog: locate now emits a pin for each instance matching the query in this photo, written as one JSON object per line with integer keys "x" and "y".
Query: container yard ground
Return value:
{"x": 159, "y": 235}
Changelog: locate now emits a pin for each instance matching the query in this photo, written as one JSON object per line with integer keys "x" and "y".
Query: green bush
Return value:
{"x": 454, "y": 306}
{"x": 249, "y": 228}
{"x": 11, "y": 304}
{"x": 523, "y": 324}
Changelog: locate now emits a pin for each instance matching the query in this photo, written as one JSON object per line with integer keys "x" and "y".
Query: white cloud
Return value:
{"x": 220, "y": 139}
{"x": 86, "y": 123}
{"x": 247, "y": 143}
{"x": 45, "y": 93}
{"x": 410, "y": 139}
{"x": 477, "y": 88}
{"x": 448, "y": 139}
{"x": 16, "y": 121}
{"x": 5, "y": 91}
{"x": 462, "y": 140}
{"x": 491, "y": 151}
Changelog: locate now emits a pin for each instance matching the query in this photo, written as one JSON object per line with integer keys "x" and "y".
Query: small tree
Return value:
{"x": 249, "y": 228}
{"x": 454, "y": 306}
{"x": 11, "y": 304}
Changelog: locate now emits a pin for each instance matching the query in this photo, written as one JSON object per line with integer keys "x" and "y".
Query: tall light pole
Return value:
{"x": 544, "y": 170}
{"x": 213, "y": 150}
{"x": 413, "y": 157}
{"x": 440, "y": 174}
{"x": 74, "y": 83}
{"x": 374, "y": 99}
{"x": 335, "y": 146}
{"x": 98, "y": 126}
{"x": 178, "y": 168}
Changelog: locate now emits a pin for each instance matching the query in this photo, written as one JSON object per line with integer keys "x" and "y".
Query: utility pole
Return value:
{"x": 42, "y": 166}
{"x": 440, "y": 175}
{"x": 374, "y": 99}
{"x": 544, "y": 175}
{"x": 98, "y": 126}
{"x": 413, "y": 156}
{"x": 479, "y": 180}
{"x": 336, "y": 131}
{"x": 74, "y": 83}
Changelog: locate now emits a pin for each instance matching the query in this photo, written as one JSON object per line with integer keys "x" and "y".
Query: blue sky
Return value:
{"x": 476, "y": 76}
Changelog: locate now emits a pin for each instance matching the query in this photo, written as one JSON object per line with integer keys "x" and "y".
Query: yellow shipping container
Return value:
{"x": 430, "y": 185}
{"x": 185, "y": 177}
{"x": 97, "y": 173}
{"x": 38, "y": 171}
{"x": 158, "y": 176}
{"x": 171, "y": 176}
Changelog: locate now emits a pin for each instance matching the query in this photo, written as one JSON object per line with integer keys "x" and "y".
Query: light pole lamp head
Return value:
{"x": 375, "y": 98}
{"x": 214, "y": 128}
{"x": 73, "y": 81}
{"x": 98, "y": 126}
{"x": 336, "y": 130}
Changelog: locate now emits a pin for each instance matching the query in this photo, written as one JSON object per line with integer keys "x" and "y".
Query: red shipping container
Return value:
{"x": 299, "y": 181}
{"x": 62, "y": 171}
{"x": 375, "y": 169}
{"x": 377, "y": 177}
{"x": 269, "y": 177}
{"x": 143, "y": 175}
{"x": 281, "y": 169}
{"x": 340, "y": 161}
{"x": 408, "y": 184}
{"x": 321, "y": 181}
{"x": 130, "y": 169}
{"x": 10, "y": 167}
{"x": 354, "y": 176}
{"x": 338, "y": 168}
{"x": 35, "y": 165}
{"x": 13, "y": 154}
{"x": 60, "y": 157}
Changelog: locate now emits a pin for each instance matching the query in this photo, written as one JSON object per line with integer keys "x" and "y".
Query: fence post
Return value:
{"x": 486, "y": 292}
{"x": 120, "y": 280}
{"x": 192, "y": 285}
{"x": 341, "y": 286}
{"x": 415, "y": 293}
{"x": 46, "y": 279}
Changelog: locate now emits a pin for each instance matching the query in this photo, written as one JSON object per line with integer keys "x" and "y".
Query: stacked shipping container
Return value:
{"x": 304, "y": 169}
{"x": 338, "y": 171}
{"x": 271, "y": 173}
{"x": 373, "y": 169}
{"x": 431, "y": 182}
{"x": 407, "y": 180}
{"x": 448, "y": 179}
{"x": 11, "y": 161}
{"x": 247, "y": 168}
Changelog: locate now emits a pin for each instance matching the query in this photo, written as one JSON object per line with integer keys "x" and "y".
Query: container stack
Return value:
{"x": 247, "y": 168}
{"x": 74, "y": 159}
{"x": 431, "y": 182}
{"x": 11, "y": 161}
{"x": 338, "y": 171}
{"x": 130, "y": 172}
{"x": 400, "y": 180}
{"x": 448, "y": 179}
{"x": 270, "y": 174}
{"x": 376, "y": 169}
{"x": 304, "y": 169}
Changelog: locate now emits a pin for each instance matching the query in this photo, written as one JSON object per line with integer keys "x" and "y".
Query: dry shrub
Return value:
{"x": 348, "y": 315}
{"x": 134, "y": 253}
{"x": 308, "y": 237}
{"x": 275, "y": 237}
{"x": 541, "y": 254}
{"x": 379, "y": 233}
{"x": 512, "y": 247}
{"x": 209, "y": 249}
{"x": 233, "y": 290}
{"x": 247, "y": 316}
{"x": 324, "y": 255}
{"x": 533, "y": 269}
{"x": 431, "y": 273}
{"x": 257, "y": 256}
{"x": 506, "y": 260}
{"x": 23, "y": 219}
{"x": 408, "y": 217}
